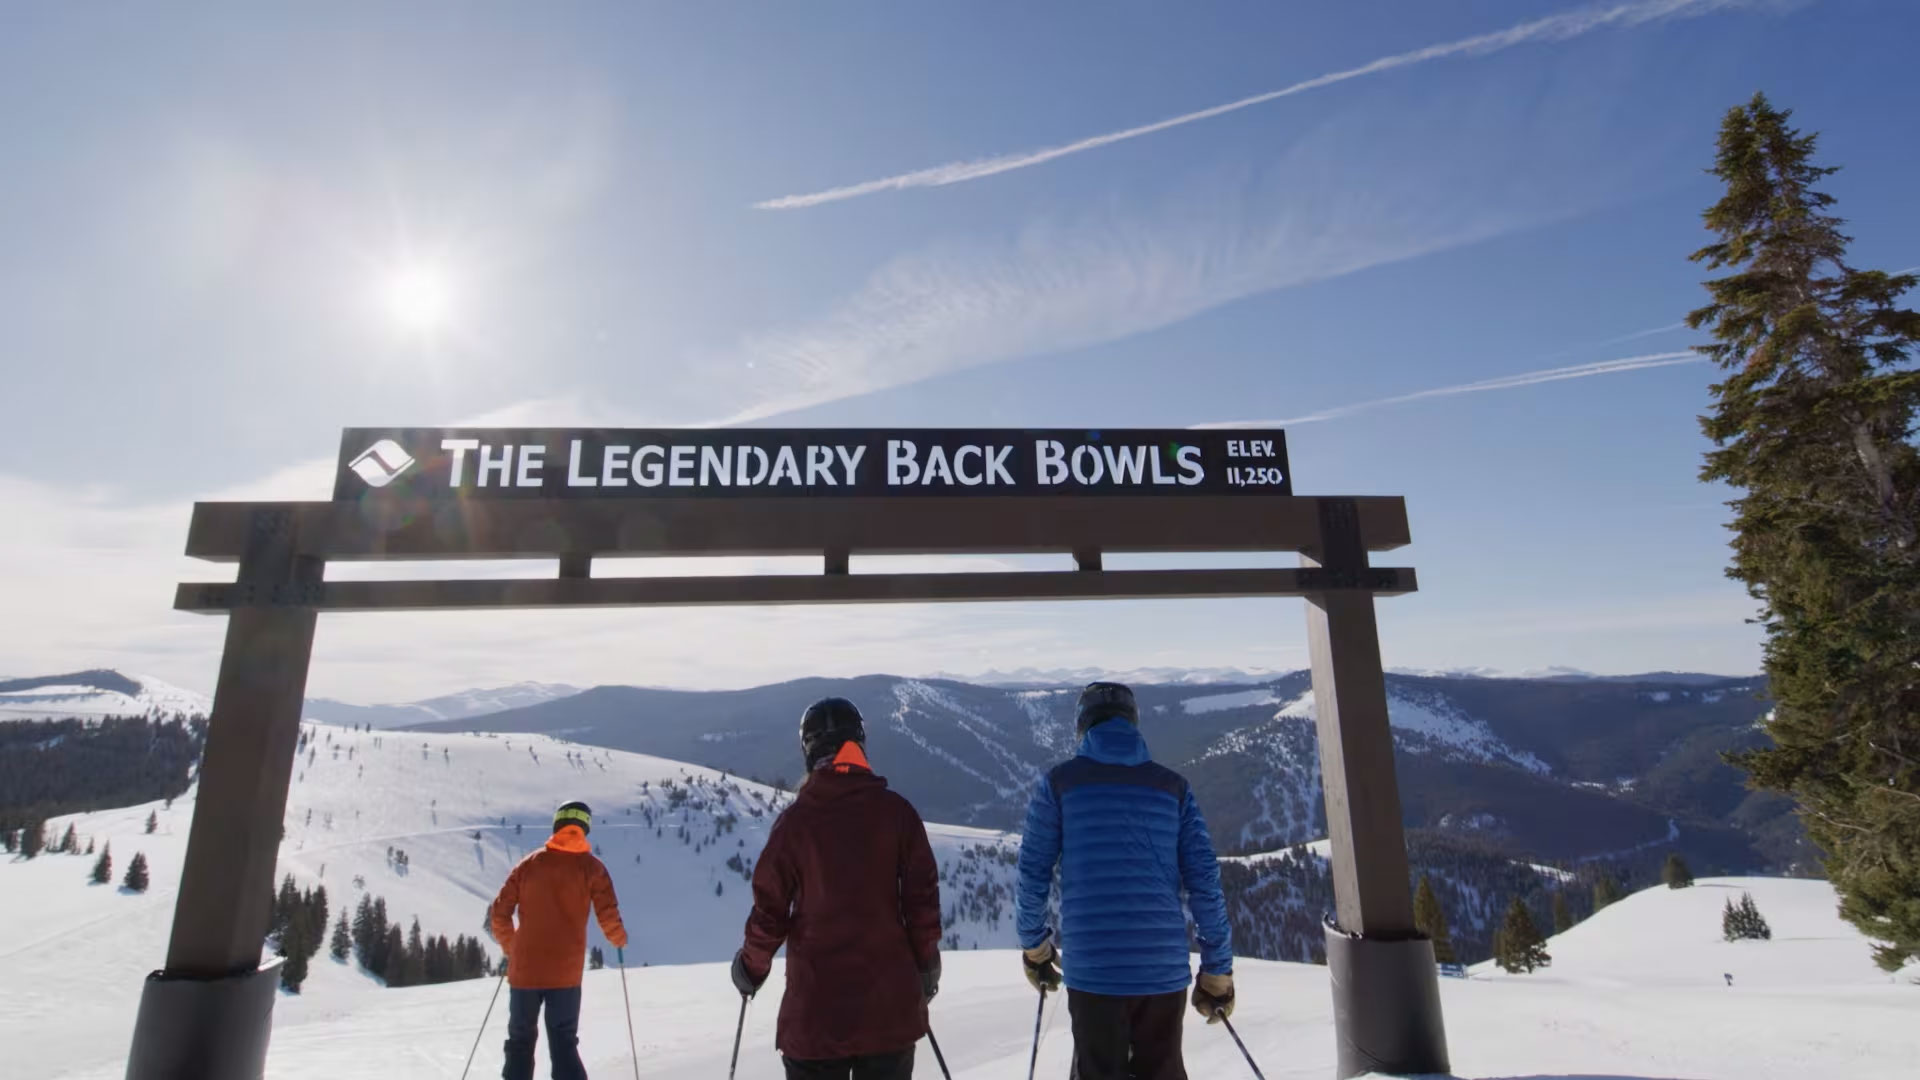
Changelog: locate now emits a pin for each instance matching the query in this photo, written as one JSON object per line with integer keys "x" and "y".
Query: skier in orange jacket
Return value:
{"x": 552, "y": 890}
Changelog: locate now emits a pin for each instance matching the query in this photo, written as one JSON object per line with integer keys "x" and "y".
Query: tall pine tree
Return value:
{"x": 136, "y": 879}
{"x": 294, "y": 934}
{"x": 1743, "y": 921}
{"x": 1520, "y": 948}
{"x": 103, "y": 866}
{"x": 1605, "y": 891}
{"x": 1675, "y": 872}
{"x": 1814, "y": 425}
{"x": 1430, "y": 919}
{"x": 1562, "y": 915}
{"x": 342, "y": 943}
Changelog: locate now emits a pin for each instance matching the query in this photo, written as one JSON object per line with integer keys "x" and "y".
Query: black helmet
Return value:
{"x": 1104, "y": 701}
{"x": 574, "y": 813}
{"x": 827, "y": 724}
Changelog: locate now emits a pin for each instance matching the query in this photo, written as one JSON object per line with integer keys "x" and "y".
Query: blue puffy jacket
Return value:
{"x": 1128, "y": 838}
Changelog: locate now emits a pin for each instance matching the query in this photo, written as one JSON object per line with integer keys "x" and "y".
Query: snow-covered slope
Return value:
{"x": 462, "y": 809}
{"x": 96, "y": 694}
{"x": 1646, "y": 1018}
{"x": 1671, "y": 937}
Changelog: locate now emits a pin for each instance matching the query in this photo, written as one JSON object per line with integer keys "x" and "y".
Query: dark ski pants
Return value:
{"x": 866, "y": 1067}
{"x": 1127, "y": 1038}
{"x": 563, "y": 1032}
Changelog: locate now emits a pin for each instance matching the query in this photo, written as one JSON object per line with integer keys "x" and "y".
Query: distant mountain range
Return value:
{"x": 1559, "y": 769}
{"x": 446, "y": 707}
{"x": 1562, "y": 768}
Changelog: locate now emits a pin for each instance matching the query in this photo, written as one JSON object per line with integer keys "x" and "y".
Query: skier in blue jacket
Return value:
{"x": 1129, "y": 840}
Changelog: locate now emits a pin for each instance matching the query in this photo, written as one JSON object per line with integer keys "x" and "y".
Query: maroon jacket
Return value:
{"x": 848, "y": 881}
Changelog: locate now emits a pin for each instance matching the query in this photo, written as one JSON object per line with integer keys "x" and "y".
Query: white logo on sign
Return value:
{"x": 382, "y": 463}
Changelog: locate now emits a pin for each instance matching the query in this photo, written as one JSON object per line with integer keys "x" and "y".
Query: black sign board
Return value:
{"x": 598, "y": 463}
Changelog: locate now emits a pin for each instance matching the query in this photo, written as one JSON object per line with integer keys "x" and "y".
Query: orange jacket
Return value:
{"x": 552, "y": 888}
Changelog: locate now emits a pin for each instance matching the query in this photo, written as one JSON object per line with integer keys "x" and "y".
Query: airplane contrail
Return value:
{"x": 1503, "y": 382}
{"x": 1550, "y": 28}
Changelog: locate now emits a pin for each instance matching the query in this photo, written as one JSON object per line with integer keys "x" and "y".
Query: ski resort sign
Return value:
{"x": 496, "y": 463}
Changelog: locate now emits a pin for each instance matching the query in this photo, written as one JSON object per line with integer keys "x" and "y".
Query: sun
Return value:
{"x": 418, "y": 297}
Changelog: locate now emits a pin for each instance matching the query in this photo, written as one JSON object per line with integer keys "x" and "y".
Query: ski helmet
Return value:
{"x": 826, "y": 725}
{"x": 574, "y": 813}
{"x": 1105, "y": 701}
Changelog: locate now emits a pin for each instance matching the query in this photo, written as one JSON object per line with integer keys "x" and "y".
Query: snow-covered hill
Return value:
{"x": 1637, "y": 991}
{"x": 431, "y": 823}
{"x": 96, "y": 694}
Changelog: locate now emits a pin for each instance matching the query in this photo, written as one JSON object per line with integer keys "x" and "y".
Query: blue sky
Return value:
{"x": 205, "y": 213}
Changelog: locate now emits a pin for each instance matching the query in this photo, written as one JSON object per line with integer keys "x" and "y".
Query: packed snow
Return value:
{"x": 1636, "y": 992}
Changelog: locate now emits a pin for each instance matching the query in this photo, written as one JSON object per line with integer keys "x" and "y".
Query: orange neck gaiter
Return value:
{"x": 571, "y": 839}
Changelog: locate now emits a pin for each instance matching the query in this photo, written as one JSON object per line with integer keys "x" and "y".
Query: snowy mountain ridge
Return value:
{"x": 95, "y": 694}
{"x": 455, "y": 706}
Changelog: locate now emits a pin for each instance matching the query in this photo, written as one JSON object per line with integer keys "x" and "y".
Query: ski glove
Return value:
{"x": 930, "y": 979}
{"x": 1043, "y": 969}
{"x": 1213, "y": 997}
{"x": 743, "y": 979}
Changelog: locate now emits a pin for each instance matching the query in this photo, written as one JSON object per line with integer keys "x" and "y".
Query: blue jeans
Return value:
{"x": 563, "y": 1033}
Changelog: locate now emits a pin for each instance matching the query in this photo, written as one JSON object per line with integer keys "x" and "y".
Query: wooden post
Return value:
{"x": 1386, "y": 991}
{"x": 209, "y": 1013}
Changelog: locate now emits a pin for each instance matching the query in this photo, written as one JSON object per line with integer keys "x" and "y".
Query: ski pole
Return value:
{"x": 1034, "y": 1061}
{"x": 737, "y": 1029}
{"x": 937, "y": 1056}
{"x": 1221, "y": 1013}
{"x": 497, "y": 983}
{"x": 620, "y": 953}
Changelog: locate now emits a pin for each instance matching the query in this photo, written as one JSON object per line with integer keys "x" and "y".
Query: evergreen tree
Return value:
{"x": 1675, "y": 872}
{"x": 317, "y": 908}
{"x": 9, "y": 838}
{"x": 103, "y": 867}
{"x": 33, "y": 838}
{"x": 363, "y": 931}
{"x": 393, "y": 956}
{"x": 284, "y": 903}
{"x": 294, "y": 934}
{"x": 414, "y": 964}
{"x": 1520, "y": 946}
{"x": 1605, "y": 891}
{"x": 1743, "y": 921}
{"x": 1430, "y": 919}
{"x": 69, "y": 841}
{"x": 596, "y": 959}
{"x": 1814, "y": 424}
{"x": 136, "y": 878}
{"x": 153, "y": 821}
{"x": 342, "y": 942}
{"x": 89, "y": 845}
{"x": 1562, "y": 916}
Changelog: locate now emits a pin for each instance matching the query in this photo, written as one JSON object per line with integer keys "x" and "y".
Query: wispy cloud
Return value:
{"x": 1503, "y": 382}
{"x": 1638, "y": 334}
{"x": 1551, "y": 28}
{"x": 1362, "y": 189}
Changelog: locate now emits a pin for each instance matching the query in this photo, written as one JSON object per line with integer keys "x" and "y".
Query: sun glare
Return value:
{"x": 418, "y": 297}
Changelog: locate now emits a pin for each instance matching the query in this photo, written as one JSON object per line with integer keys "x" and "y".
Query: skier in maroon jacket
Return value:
{"x": 848, "y": 882}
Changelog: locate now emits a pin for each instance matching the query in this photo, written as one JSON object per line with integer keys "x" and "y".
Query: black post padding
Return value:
{"x": 204, "y": 1029}
{"x": 1386, "y": 1006}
